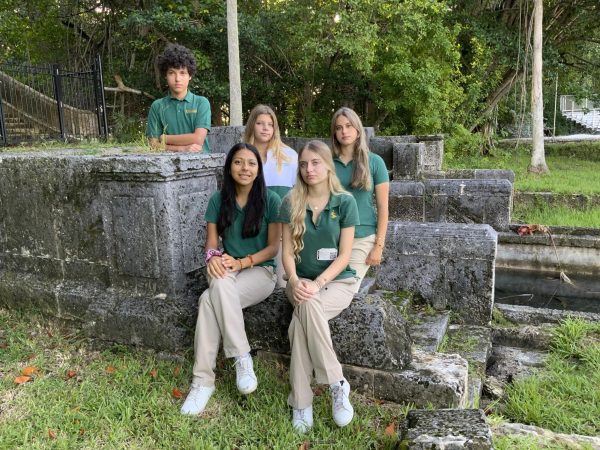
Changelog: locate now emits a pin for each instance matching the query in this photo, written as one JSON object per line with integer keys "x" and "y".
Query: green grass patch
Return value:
{"x": 133, "y": 407}
{"x": 564, "y": 395}
{"x": 557, "y": 215}
{"x": 568, "y": 174}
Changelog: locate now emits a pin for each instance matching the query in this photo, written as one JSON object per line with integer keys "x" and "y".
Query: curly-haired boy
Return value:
{"x": 181, "y": 120}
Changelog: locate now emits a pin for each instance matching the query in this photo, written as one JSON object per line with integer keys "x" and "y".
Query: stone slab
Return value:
{"x": 537, "y": 316}
{"x": 406, "y": 201}
{"x": 473, "y": 343}
{"x": 371, "y": 332}
{"x": 446, "y": 429}
{"x": 428, "y": 330}
{"x": 407, "y": 160}
{"x": 526, "y": 336}
{"x": 472, "y": 174}
{"x": 449, "y": 265}
{"x": 469, "y": 201}
{"x": 511, "y": 363}
{"x": 221, "y": 139}
{"x": 433, "y": 154}
{"x": 433, "y": 380}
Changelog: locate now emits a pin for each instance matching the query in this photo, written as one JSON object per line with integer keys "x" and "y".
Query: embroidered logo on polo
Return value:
{"x": 191, "y": 111}
{"x": 333, "y": 215}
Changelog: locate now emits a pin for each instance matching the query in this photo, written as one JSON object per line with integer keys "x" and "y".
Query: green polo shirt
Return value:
{"x": 233, "y": 243}
{"x": 169, "y": 115}
{"x": 364, "y": 199}
{"x": 340, "y": 212}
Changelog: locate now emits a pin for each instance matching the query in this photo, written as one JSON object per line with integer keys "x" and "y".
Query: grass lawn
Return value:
{"x": 567, "y": 174}
{"x": 564, "y": 395}
{"x": 119, "y": 398}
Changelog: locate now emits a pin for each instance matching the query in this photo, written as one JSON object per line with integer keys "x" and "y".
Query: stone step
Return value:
{"x": 446, "y": 428}
{"x": 526, "y": 336}
{"x": 427, "y": 329}
{"x": 509, "y": 363}
{"x": 473, "y": 343}
{"x": 537, "y": 316}
{"x": 431, "y": 380}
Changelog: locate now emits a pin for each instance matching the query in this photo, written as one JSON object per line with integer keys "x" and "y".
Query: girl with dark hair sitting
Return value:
{"x": 244, "y": 215}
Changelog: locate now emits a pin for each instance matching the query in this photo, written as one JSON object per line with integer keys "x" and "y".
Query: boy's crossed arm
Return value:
{"x": 188, "y": 142}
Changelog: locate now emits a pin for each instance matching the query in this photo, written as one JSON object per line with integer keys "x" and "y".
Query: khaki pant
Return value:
{"x": 310, "y": 339}
{"x": 220, "y": 315}
{"x": 360, "y": 250}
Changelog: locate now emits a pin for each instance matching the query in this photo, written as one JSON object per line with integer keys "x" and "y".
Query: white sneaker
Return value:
{"x": 197, "y": 399}
{"x": 342, "y": 410}
{"x": 244, "y": 375}
{"x": 302, "y": 419}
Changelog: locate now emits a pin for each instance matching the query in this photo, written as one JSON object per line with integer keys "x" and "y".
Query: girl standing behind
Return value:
{"x": 317, "y": 245}
{"x": 362, "y": 173}
{"x": 280, "y": 163}
{"x": 244, "y": 215}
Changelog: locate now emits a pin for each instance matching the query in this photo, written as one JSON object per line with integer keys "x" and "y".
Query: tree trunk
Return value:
{"x": 538, "y": 159}
{"x": 235, "y": 84}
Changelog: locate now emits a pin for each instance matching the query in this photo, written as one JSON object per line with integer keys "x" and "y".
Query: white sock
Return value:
{"x": 245, "y": 355}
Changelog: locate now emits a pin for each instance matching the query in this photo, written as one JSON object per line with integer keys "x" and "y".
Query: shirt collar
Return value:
{"x": 334, "y": 200}
{"x": 188, "y": 97}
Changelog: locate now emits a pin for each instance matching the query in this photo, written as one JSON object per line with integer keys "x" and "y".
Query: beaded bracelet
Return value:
{"x": 251, "y": 261}
{"x": 212, "y": 252}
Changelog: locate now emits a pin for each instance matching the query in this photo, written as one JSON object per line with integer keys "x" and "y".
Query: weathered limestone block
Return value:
{"x": 221, "y": 139}
{"x": 433, "y": 154}
{"x": 384, "y": 145}
{"x": 537, "y": 316}
{"x": 431, "y": 380}
{"x": 446, "y": 429}
{"x": 428, "y": 330}
{"x": 112, "y": 241}
{"x": 406, "y": 201}
{"x": 449, "y": 265}
{"x": 438, "y": 380}
{"x": 547, "y": 438}
{"x": 408, "y": 160}
{"x": 371, "y": 332}
{"x": 469, "y": 201}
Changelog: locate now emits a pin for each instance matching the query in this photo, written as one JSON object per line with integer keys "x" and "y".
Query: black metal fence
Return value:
{"x": 47, "y": 102}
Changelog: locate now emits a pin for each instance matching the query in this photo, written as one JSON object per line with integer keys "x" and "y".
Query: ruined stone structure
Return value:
{"x": 114, "y": 242}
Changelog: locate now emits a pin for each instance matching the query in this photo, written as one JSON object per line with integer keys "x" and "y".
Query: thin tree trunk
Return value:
{"x": 235, "y": 84}
{"x": 538, "y": 159}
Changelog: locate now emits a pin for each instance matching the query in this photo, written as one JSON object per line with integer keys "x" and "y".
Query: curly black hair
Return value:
{"x": 176, "y": 56}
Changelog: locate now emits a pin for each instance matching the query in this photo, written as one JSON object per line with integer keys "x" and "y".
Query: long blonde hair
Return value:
{"x": 298, "y": 196}
{"x": 275, "y": 144}
{"x": 361, "y": 173}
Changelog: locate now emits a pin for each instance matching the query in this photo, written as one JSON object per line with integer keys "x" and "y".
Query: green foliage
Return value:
{"x": 462, "y": 143}
{"x": 564, "y": 395}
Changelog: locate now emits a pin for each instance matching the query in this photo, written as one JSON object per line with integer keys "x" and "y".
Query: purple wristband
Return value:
{"x": 212, "y": 252}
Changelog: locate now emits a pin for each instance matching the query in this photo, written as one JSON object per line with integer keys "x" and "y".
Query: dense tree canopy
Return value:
{"x": 413, "y": 66}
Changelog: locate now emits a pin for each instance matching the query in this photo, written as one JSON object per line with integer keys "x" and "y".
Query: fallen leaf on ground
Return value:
{"x": 27, "y": 371}
{"x": 318, "y": 391}
{"x": 177, "y": 371}
{"x": 30, "y": 357}
{"x": 153, "y": 373}
{"x": 304, "y": 446}
{"x": 390, "y": 430}
{"x": 3, "y": 345}
{"x": 81, "y": 431}
{"x": 51, "y": 434}
{"x": 378, "y": 401}
{"x": 71, "y": 373}
{"x": 177, "y": 393}
{"x": 111, "y": 369}
{"x": 22, "y": 379}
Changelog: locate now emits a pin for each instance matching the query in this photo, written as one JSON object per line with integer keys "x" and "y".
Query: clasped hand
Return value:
{"x": 218, "y": 266}
{"x": 304, "y": 290}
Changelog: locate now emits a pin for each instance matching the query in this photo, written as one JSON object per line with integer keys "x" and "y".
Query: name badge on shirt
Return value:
{"x": 327, "y": 254}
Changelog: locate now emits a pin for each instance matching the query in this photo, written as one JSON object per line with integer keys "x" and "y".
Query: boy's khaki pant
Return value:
{"x": 310, "y": 339}
{"x": 220, "y": 314}
{"x": 360, "y": 250}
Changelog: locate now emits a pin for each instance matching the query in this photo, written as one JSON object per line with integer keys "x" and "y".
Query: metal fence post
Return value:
{"x": 100, "y": 100}
{"x": 3, "y": 137}
{"x": 58, "y": 95}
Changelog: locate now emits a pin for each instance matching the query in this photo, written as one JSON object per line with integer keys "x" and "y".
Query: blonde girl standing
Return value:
{"x": 280, "y": 162}
{"x": 365, "y": 176}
